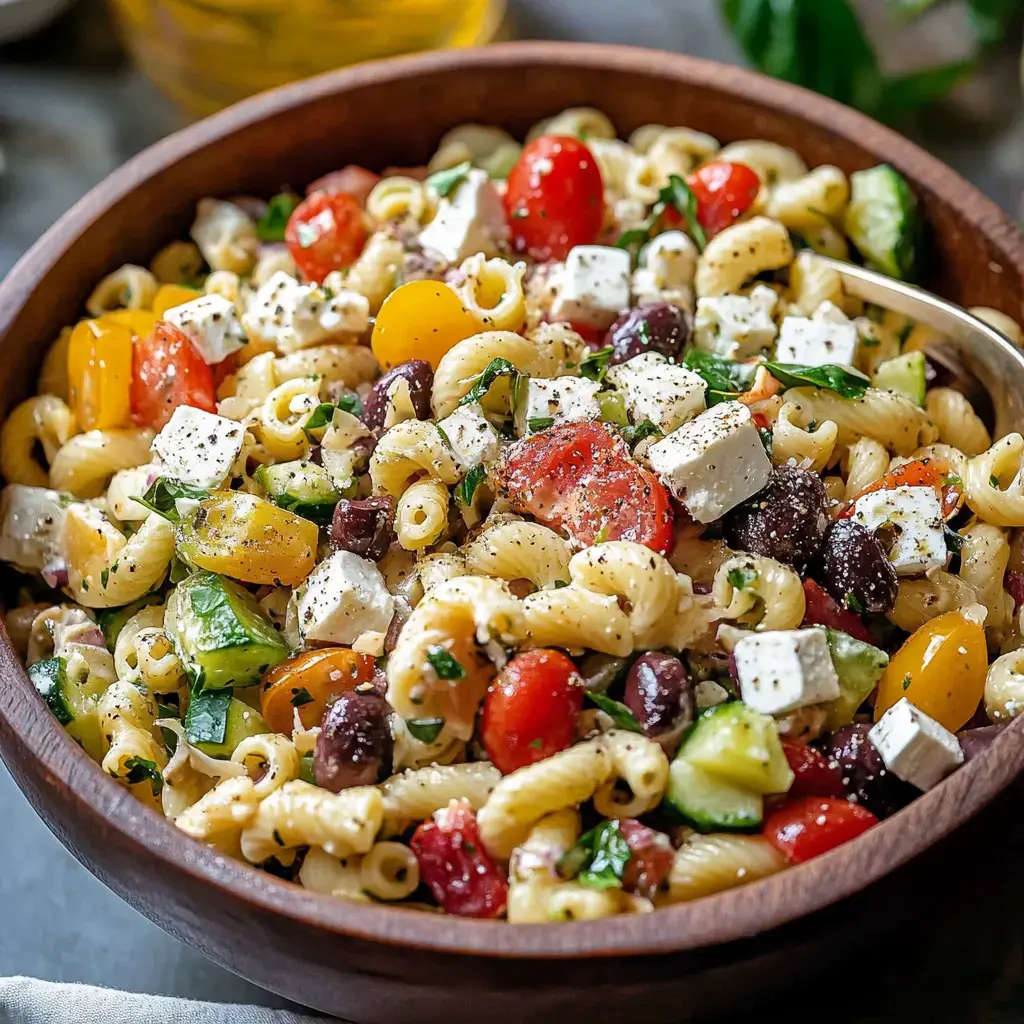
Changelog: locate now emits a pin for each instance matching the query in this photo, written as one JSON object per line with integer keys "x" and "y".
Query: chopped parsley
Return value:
{"x": 539, "y": 423}
{"x": 468, "y": 485}
{"x": 141, "y": 770}
{"x": 595, "y": 365}
{"x": 271, "y": 226}
{"x": 426, "y": 730}
{"x": 906, "y": 681}
{"x": 444, "y": 663}
{"x": 741, "y": 577}
{"x": 677, "y": 195}
{"x": 598, "y": 859}
{"x": 445, "y": 182}
{"x": 616, "y": 711}
{"x": 853, "y": 603}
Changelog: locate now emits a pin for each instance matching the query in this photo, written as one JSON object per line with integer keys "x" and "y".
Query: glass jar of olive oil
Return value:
{"x": 206, "y": 54}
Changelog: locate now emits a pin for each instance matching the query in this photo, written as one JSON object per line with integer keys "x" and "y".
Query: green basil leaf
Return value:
{"x": 635, "y": 434}
{"x": 725, "y": 378}
{"x": 909, "y": 92}
{"x": 351, "y": 403}
{"x": 207, "y": 717}
{"x": 844, "y": 382}
{"x": 617, "y": 712}
{"x": 538, "y": 423}
{"x": 49, "y": 677}
{"x": 598, "y": 859}
{"x": 495, "y": 368}
{"x": 595, "y": 365}
{"x": 163, "y": 493}
{"x": 141, "y": 770}
{"x": 468, "y": 485}
{"x": 445, "y": 182}
{"x": 741, "y": 577}
{"x": 319, "y": 418}
{"x": 853, "y": 602}
{"x": 680, "y": 196}
{"x": 426, "y": 730}
{"x": 444, "y": 663}
{"x": 635, "y": 238}
{"x": 271, "y": 226}
{"x": 993, "y": 19}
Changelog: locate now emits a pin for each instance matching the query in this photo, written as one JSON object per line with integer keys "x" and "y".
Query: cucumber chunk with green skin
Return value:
{"x": 301, "y": 487}
{"x": 708, "y": 802}
{"x": 65, "y": 695}
{"x": 50, "y": 678}
{"x": 220, "y": 634}
{"x": 238, "y": 723}
{"x": 883, "y": 221}
{"x": 859, "y": 666}
{"x": 739, "y": 745}
{"x": 113, "y": 620}
{"x": 906, "y": 375}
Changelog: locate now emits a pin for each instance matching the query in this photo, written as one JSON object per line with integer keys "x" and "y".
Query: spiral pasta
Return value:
{"x": 407, "y": 450}
{"x": 45, "y": 421}
{"x": 760, "y": 592}
{"x": 986, "y": 472}
{"x": 422, "y": 515}
{"x": 713, "y": 863}
{"x": 414, "y": 795}
{"x": 519, "y": 550}
{"x": 956, "y": 421}
{"x": 86, "y": 462}
{"x": 797, "y": 443}
{"x": 740, "y": 253}
{"x": 129, "y": 287}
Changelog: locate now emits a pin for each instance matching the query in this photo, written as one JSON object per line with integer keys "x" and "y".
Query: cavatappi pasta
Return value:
{"x": 498, "y": 535}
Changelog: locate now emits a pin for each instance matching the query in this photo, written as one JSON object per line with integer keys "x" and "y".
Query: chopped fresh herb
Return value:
{"x": 844, "y": 382}
{"x": 595, "y": 365}
{"x": 48, "y": 677}
{"x": 85, "y": 584}
{"x": 468, "y": 485}
{"x": 104, "y": 577}
{"x": 558, "y": 584}
{"x": 725, "y": 378}
{"x": 539, "y": 423}
{"x": 853, "y": 603}
{"x": 634, "y": 435}
{"x": 952, "y": 480}
{"x": 207, "y": 717}
{"x": 272, "y": 224}
{"x": 306, "y": 772}
{"x": 445, "y": 182}
{"x": 319, "y": 418}
{"x": 598, "y": 859}
{"x": 444, "y": 663}
{"x": 617, "y": 712}
{"x": 352, "y": 404}
{"x": 141, "y": 770}
{"x": 954, "y": 545}
{"x": 164, "y": 492}
{"x": 993, "y": 481}
{"x": 517, "y": 391}
{"x": 301, "y": 697}
{"x": 677, "y": 195}
{"x": 741, "y": 577}
{"x": 602, "y": 534}
{"x": 444, "y": 436}
{"x": 426, "y": 730}
{"x": 495, "y": 368}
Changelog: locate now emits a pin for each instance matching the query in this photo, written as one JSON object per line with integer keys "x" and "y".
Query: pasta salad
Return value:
{"x": 541, "y": 534}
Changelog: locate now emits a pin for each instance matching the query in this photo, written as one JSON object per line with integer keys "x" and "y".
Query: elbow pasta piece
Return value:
{"x": 124, "y": 487}
{"x": 821, "y": 195}
{"x": 984, "y": 556}
{"x": 331, "y": 876}
{"x": 794, "y": 442}
{"x": 348, "y": 365}
{"x": 279, "y": 421}
{"x": 415, "y": 794}
{"x": 575, "y": 617}
{"x": 865, "y": 462}
{"x": 492, "y": 291}
{"x": 300, "y": 814}
{"x": 771, "y": 162}
{"x": 583, "y": 122}
{"x": 422, "y": 515}
{"x": 811, "y": 283}
{"x": 826, "y": 240}
{"x": 1004, "y": 687}
{"x": 85, "y": 464}
{"x": 126, "y": 718}
{"x": 985, "y": 475}
{"x": 53, "y": 375}
{"x": 740, "y": 253}
{"x": 177, "y": 263}
{"x": 228, "y": 286}
{"x": 1001, "y": 322}
{"x": 270, "y": 262}
{"x": 440, "y": 566}
{"x": 518, "y": 550}
{"x": 225, "y": 235}
{"x": 270, "y": 761}
{"x": 42, "y": 422}
{"x": 478, "y": 143}
{"x": 642, "y": 765}
{"x": 772, "y": 596}
{"x": 571, "y": 901}
{"x": 219, "y": 816}
{"x": 678, "y": 151}
{"x": 398, "y": 197}
{"x": 410, "y": 449}
{"x": 616, "y": 160}
{"x": 144, "y": 652}
{"x": 130, "y": 287}
{"x": 390, "y": 871}
{"x": 375, "y": 272}
{"x": 713, "y": 863}
{"x": 956, "y": 421}
{"x": 927, "y": 597}
{"x": 549, "y": 840}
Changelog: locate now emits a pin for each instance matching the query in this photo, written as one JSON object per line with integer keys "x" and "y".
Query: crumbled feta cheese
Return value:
{"x": 784, "y": 670}
{"x": 31, "y": 520}
{"x": 669, "y": 262}
{"x": 914, "y": 747}
{"x": 908, "y": 521}
{"x": 472, "y": 439}
{"x": 559, "y": 400}
{"x": 655, "y": 389}
{"x": 816, "y": 342}
{"x": 829, "y": 313}
{"x": 198, "y": 448}
{"x": 344, "y": 597}
{"x": 708, "y": 694}
{"x": 714, "y": 462}
{"x": 470, "y": 220}
{"x": 211, "y": 324}
{"x": 593, "y": 286}
{"x": 736, "y": 326}
{"x": 292, "y": 316}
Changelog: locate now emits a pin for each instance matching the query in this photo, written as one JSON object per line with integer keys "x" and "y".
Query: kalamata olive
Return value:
{"x": 865, "y": 777}
{"x": 363, "y": 526}
{"x": 660, "y": 695}
{"x": 974, "y": 742}
{"x": 787, "y": 520}
{"x": 855, "y": 571}
{"x": 658, "y": 327}
{"x": 354, "y": 747}
{"x": 418, "y": 374}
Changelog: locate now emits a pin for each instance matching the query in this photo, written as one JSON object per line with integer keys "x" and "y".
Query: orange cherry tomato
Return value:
{"x": 168, "y": 371}
{"x": 325, "y": 232}
{"x": 940, "y": 669}
{"x": 100, "y": 374}
{"x": 309, "y": 682}
{"x": 421, "y": 320}
{"x": 170, "y": 295}
{"x": 139, "y": 321}
{"x": 933, "y": 472}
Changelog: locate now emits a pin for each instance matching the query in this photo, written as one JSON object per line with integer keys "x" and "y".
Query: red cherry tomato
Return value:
{"x": 814, "y": 774}
{"x": 724, "y": 193}
{"x": 325, "y": 233}
{"x": 651, "y": 859}
{"x": 224, "y": 369}
{"x": 555, "y": 198}
{"x": 812, "y": 825}
{"x": 455, "y": 866}
{"x": 821, "y": 610}
{"x": 357, "y": 181}
{"x": 168, "y": 371}
{"x": 580, "y": 477}
{"x": 530, "y": 710}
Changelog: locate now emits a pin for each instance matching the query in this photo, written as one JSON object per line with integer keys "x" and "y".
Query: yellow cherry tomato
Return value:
{"x": 249, "y": 539}
{"x": 100, "y": 374}
{"x": 421, "y": 320}
{"x": 139, "y": 321}
{"x": 940, "y": 669}
{"x": 170, "y": 295}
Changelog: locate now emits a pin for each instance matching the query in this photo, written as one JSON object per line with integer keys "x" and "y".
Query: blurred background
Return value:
{"x": 84, "y": 85}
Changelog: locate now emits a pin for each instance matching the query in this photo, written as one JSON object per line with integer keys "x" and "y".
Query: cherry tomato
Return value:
{"x": 170, "y": 295}
{"x": 813, "y": 773}
{"x": 813, "y": 825}
{"x": 580, "y": 477}
{"x": 99, "y": 373}
{"x": 357, "y": 181}
{"x": 934, "y": 472}
{"x": 168, "y": 371}
{"x": 821, "y": 610}
{"x": 455, "y": 866}
{"x": 555, "y": 198}
{"x": 530, "y": 711}
{"x": 222, "y": 370}
{"x": 724, "y": 192}
{"x": 651, "y": 859}
{"x": 325, "y": 233}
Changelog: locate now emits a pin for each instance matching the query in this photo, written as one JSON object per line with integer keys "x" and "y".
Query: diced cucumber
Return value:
{"x": 859, "y": 667}
{"x": 739, "y": 745}
{"x": 883, "y": 221}
{"x": 613, "y": 408}
{"x": 905, "y": 375}
{"x": 238, "y": 722}
{"x": 113, "y": 620}
{"x": 220, "y": 633}
{"x": 708, "y": 802}
{"x": 301, "y": 487}
{"x": 66, "y": 697}
{"x": 306, "y": 772}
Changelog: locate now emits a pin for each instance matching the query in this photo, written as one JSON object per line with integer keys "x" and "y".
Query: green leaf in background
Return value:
{"x": 910, "y": 92}
{"x": 993, "y": 19}
{"x": 272, "y": 224}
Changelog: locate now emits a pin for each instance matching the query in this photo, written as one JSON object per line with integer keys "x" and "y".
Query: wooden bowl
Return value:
{"x": 374, "y": 963}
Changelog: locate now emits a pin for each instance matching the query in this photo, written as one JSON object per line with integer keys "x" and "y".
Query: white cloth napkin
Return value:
{"x": 28, "y": 1001}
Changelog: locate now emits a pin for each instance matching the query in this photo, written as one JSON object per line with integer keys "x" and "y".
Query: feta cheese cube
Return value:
{"x": 30, "y": 522}
{"x": 593, "y": 286}
{"x": 469, "y": 220}
{"x": 211, "y": 324}
{"x": 344, "y": 597}
{"x": 292, "y": 316}
{"x": 736, "y": 326}
{"x": 472, "y": 439}
{"x": 714, "y": 462}
{"x": 559, "y": 400}
{"x": 908, "y": 521}
{"x": 816, "y": 342}
{"x": 198, "y": 448}
{"x": 915, "y": 747}
{"x": 669, "y": 262}
{"x": 654, "y": 389}
{"x": 829, "y": 313}
{"x": 784, "y": 670}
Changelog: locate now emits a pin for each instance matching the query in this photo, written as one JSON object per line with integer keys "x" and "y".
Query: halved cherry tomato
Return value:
{"x": 934, "y": 472}
{"x": 168, "y": 371}
{"x": 554, "y": 198}
{"x": 222, "y": 370}
{"x": 814, "y": 774}
{"x": 530, "y": 711}
{"x": 100, "y": 373}
{"x": 318, "y": 675}
{"x": 325, "y": 233}
{"x": 357, "y": 181}
{"x": 651, "y": 858}
{"x": 580, "y": 477}
{"x": 455, "y": 866}
{"x": 724, "y": 192}
{"x": 813, "y": 825}
{"x": 821, "y": 610}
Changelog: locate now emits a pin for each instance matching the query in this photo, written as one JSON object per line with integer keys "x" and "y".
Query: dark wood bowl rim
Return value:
{"x": 732, "y": 915}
